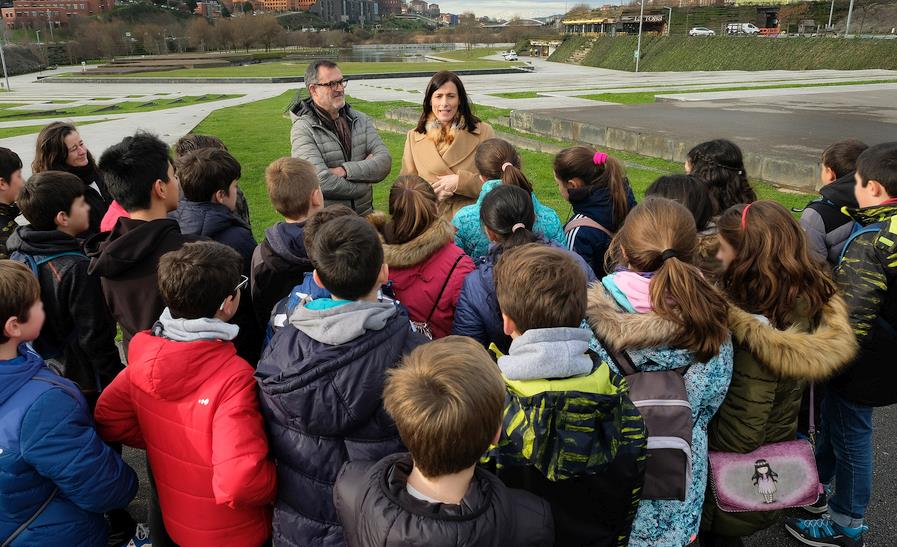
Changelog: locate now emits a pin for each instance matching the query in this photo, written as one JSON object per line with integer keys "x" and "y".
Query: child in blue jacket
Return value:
{"x": 57, "y": 477}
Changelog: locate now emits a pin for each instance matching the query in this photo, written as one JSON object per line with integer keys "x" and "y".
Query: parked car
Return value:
{"x": 511, "y": 56}
{"x": 701, "y": 31}
{"x": 742, "y": 28}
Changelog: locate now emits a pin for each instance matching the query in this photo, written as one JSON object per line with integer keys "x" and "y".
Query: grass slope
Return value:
{"x": 682, "y": 53}
{"x": 7, "y": 132}
{"x": 256, "y": 145}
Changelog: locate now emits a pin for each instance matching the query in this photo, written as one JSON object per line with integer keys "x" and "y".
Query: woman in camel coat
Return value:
{"x": 442, "y": 147}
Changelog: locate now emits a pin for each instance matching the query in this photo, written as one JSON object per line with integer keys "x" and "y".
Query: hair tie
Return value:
{"x": 668, "y": 254}
{"x": 518, "y": 226}
{"x": 505, "y": 165}
{"x": 600, "y": 158}
{"x": 744, "y": 216}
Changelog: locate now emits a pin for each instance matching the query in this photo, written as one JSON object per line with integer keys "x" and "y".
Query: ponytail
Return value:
{"x": 596, "y": 170}
{"x": 412, "y": 205}
{"x": 659, "y": 236}
{"x": 497, "y": 159}
{"x": 614, "y": 176}
{"x": 507, "y": 211}
{"x": 680, "y": 293}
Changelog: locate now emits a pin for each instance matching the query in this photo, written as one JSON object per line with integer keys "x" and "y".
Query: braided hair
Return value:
{"x": 720, "y": 164}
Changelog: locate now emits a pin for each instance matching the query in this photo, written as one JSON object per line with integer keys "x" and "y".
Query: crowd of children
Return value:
{"x": 424, "y": 376}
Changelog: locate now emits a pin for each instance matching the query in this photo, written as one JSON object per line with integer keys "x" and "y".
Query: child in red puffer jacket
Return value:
{"x": 191, "y": 402}
{"x": 426, "y": 268}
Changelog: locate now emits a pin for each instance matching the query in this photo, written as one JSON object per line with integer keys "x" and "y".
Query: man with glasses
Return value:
{"x": 339, "y": 141}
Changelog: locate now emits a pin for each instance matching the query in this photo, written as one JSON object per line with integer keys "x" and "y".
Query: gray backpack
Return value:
{"x": 662, "y": 400}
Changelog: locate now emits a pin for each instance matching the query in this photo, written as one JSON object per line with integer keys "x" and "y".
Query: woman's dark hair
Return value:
{"x": 491, "y": 158}
{"x": 579, "y": 162}
{"x": 772, "y": 268}
{"x": 412, "y": 206}
{"x": 502, "y": 209}
{"x": 841, "y": 157}
{"x": 689, "y": 191}
{"x": 51, "y": 151}
{"x": 720, "y": 164}
{"x": 438, "y": 80}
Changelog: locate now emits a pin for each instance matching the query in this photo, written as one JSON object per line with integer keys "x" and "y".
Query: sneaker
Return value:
{"x": 820, "y": 507}
{"x": 825, "y": 533}
{"x": 141, "y": 537}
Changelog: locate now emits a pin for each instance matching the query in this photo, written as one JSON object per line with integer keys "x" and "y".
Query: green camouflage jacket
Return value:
{"x": 867, "y": 276}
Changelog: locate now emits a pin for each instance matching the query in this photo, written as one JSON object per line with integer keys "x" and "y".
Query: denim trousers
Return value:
{"x": 844, "y": 455}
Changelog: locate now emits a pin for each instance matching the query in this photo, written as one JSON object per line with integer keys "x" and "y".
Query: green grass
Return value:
{"x": 127, "y": 107}
{"x": 645, "y": 97}
{"x": 518, "y": 95}
{"x": 256, "y": 145}
{"x": 272, "y": 70}
{"x": 468, "y": 54}
{"x": 7, "y": 132}
{"x": 681, "y": 53}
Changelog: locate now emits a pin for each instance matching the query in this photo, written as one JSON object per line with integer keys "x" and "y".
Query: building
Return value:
{"x": 287, "y": 5}
{"x": 418, "y": 6}
{"x": 210, "y": 9}
{"x": 625, "y": 24}
{"x": 353, "y": 12}
{"x": 433, "y": 11}
{"x": 40, "y": 13}
{"x": 448, "y": 19}
{"x": 390, "y": 7}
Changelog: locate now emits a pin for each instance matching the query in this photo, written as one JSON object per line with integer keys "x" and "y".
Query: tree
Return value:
{"x": 268, "y": 30}
{"x": 245, "y": 31}
{"x": 200, "y": 34}
{"x": 247, "y": 7}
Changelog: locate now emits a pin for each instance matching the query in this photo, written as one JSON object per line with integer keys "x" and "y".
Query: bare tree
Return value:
{"x": 200, "y": 34}
{"x": 268, "y": 30}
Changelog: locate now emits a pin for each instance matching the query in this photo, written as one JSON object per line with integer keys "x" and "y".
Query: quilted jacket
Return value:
{"x": 319, "y": 146}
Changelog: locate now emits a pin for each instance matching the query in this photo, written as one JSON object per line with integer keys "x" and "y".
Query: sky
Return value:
{"x": 506, "y": 9}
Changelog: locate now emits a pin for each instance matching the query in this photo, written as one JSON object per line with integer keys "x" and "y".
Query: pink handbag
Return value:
{"x": 775, "y": 476}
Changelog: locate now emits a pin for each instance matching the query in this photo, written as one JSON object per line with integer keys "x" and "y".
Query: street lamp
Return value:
{"x": 3, "y": 58}
{"x": 830, "y": 14}
{"x": 638, "y": 48}
{"x": 849, "y": 15}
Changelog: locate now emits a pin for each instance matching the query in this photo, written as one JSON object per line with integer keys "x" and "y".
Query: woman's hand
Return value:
{"x": 445, "y": 186}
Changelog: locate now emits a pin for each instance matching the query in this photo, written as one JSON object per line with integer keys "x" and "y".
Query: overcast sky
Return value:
{"x": 506, "y": 9}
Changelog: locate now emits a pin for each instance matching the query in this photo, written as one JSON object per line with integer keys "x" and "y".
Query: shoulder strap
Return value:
{"x": 8, "y": 541}
{"x": 586, "y": 222}
{"x": 622, "y": 359}
{"x": 444, "y": 285}
{"x": 34, "y": 261}
{"x": 858, "y": 230}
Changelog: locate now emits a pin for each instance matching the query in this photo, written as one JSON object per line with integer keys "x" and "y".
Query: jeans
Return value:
{"x": 844, "y": 454}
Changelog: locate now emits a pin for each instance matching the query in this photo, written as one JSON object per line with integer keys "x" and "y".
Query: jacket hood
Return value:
{"x": 128, "y": 244}
{"x": 27, "y": 240}
{"x": 596, "y": 204}
{"x": 618, "y": 329}
{"x": 205, "y": 218}
{"x": 327, "y": 388}
{"x": 344, "y": 323}
{"x": 17, "y": 372}
{"x": 795, "y": 352}
{"x": 286, "y": 240}
{"x": 419, "y": 249}
{"x": 548, "y": 353}
{"x": 871, "y": 215}
{"x": 171, "y": 370}
{"x": 841, "y": 192}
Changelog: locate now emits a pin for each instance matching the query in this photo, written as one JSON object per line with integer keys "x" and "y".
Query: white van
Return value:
{"x": 742, "y": 28}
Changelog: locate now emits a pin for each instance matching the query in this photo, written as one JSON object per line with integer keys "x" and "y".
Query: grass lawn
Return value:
{"x": 644, "y": 97}
{"x": 118, "y": 108}
{"x": 256, "y": 145}
{"x": 270, "y": 70}
{"x": 7, "y": 132}
{"x": 468, "y": 54}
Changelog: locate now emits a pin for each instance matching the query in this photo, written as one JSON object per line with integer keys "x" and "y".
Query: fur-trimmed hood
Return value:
{"x": 618, "y": 329}
{"x": 419, "y": 249}
{"x": 794, "y": 352}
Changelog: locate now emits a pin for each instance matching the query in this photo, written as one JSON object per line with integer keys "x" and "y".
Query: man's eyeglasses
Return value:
{"x": 240, "y": 286}
{"x": 334, "y": 84}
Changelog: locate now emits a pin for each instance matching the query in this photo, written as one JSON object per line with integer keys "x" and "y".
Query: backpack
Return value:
{"x": 34, "y": 261}
{"x": 858, "y": 230}
{"x": 423, "y": 327}
{"x": 586, "y": 222}
{"x": 661, "y": 398}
